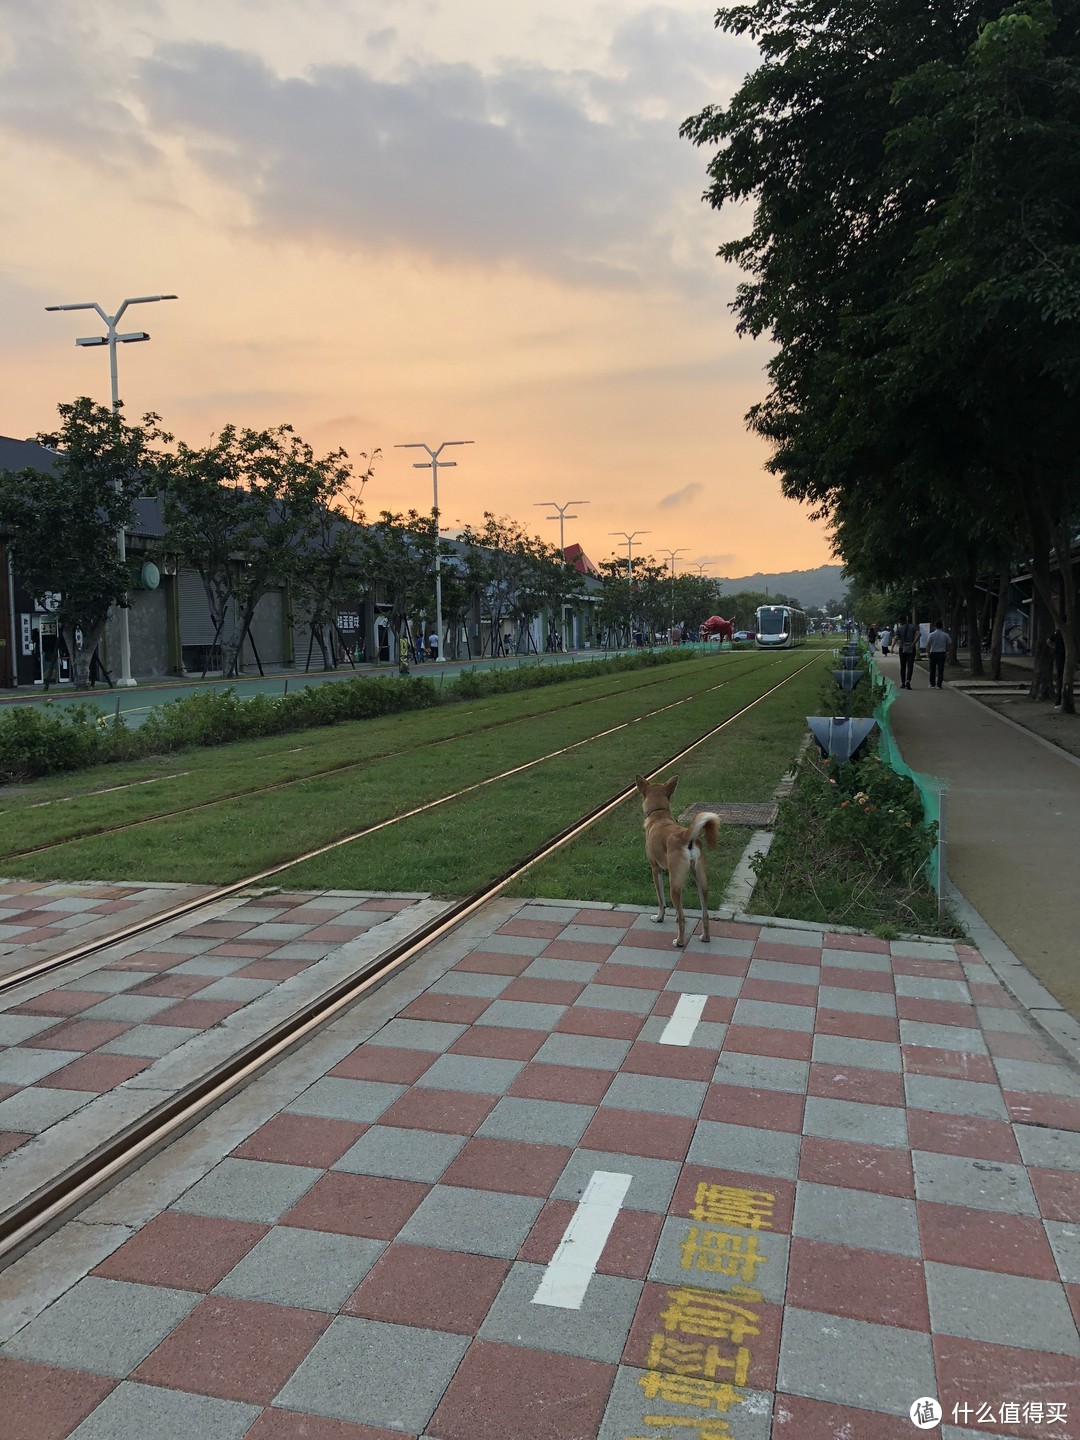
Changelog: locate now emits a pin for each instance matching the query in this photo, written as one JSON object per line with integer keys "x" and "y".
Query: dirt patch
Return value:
{"x": 1038, "y": 716}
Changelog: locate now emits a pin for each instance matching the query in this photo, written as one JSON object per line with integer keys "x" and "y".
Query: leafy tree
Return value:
{"x": 397, "y": 560}
{"x": 63, "y": 525}
{"x": 327, "y": 577}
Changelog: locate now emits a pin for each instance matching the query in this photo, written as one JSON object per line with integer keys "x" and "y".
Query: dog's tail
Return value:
{"x": 706, "y": 826}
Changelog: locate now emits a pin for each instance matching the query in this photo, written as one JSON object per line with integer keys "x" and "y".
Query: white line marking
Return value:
{"x": 679, "y": 1030}
{"x": 572, "y": 1266}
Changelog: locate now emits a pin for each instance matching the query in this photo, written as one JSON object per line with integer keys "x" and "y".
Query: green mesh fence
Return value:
{"x": 932, "y": 790}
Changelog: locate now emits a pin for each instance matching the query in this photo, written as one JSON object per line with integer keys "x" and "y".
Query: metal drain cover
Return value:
{"x": 760, "y": 816}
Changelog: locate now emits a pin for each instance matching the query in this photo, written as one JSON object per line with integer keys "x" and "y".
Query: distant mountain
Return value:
{"x": 812, "y": 588}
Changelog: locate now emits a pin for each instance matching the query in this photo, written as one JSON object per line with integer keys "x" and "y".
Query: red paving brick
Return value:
{"x": 962, "y": 1135}
{"x": 175, "y": 987}
{"x": 1060, "y": 1112}
{"x": 936, "y": 1012}
{"x": 450, "y": 1112}
{"x": 79, "y": 1035}
{"x": 881, "y": 1169}
{"x": 291, "y": 1425}
{"x": 609, "y": 918}
{"x": 985, "y": 1240}
{"x": 497, "y": 1042}
{"x": 871, "y": 1087}
{"x": 973, "y": 1372}
{"x": 234, "y": 1349}
{"x": 857, "y": 1027}
{"x": 184, "y": 1252}
{"x": 760, "y": 1109}
{"x": 883, "y": 1289}
{"x": 273, "y": 970}
{"x": 634, "y": 977}
{"x": 635, "y": 1132}
{"x": 1058, "y": 1193}
{"x": 197, "y": 1014}
{"x": 248, "y": 949}
{"x": 60, "y": 1002}
{"x": 843, "y": 979}
{"x": 301, "y": 1140}
{"x": 761, "y": 1040}
{"x": 385, "y": 1062}
{"x": 43, "y": 1403}
{"x": 650, "y": 939}
{"x": 11, "y": 1140}
{"x": 561, "y": 1082}
{"x": 543, "y": 992}
{"x": 955, "y": 1064}
{"x": 607, "y": 1024}
{"x": 510, "y": 1166}
{"x": 457, "y": 1009}
{"x": 357, "y": 1205}
{"x": 789, "y": 954}
{"x": 588, "y": 950}
{"x": 390, "y": 904}
{"x": 680, "y": 1062}
{"x": 533, "y": 929}
{"x": 796, "y": 1418}
{"x": 490, "y": 962}
{"x": 149, "y": 960}
{"x": 702, "y": 962}
{"x": 993, "y": 995}
{"x": 629, "y": 1248}
{"x": 95, "y": 1072}
{"x": 868, "y": 944}
{"x": 432, "y": 1289}
{"x": 780, "y": 992}
{"x": 502, "y": 1391}
{"x": 764, "y": 1344}
{"x": 929, "y": 969}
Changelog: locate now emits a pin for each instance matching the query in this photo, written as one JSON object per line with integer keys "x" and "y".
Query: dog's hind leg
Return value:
{"x": 676, "y": 902}
{"x": 658, "y": 881}
{"x": 701, "y": 880}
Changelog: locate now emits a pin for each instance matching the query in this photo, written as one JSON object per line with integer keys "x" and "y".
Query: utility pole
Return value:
{"x": 562, "y": 516}
{"x": 434, "y": 463}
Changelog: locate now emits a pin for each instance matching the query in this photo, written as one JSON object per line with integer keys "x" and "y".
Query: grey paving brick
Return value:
{"x": 708, "y": 1034}
{"x": 980, "y": 1184}
{"x": 257, "y": 1190}
{"x": 307, "y": 1269}
{"x": 1040, "y": 1145}
{"x": 149, "y": 1040}
{"x": 337, "y": 1099}
{"x": 521, "y": 1015}
{"x": 465, "y": 982}
{"x": 856, "y": 960}
{"x": 742, "y": 1147}
{"x": 546, "y": 968}
{"x": 132, "y": 1008}
{"x": 850, "y": 1120}
{"x": 762, "y": 1072}
{"x": 628, "y": 1405}
{"x": 69, "y": 904}
{"x": 513, "y": 945}
{"x": 737, "y": 949}
{"x": 774, "y": 1016}
{"x": 148, "y": 1412}
{"x": 401, "y": 1154}
{"x": 923, "y": 949}
{"x": 595, "y": 1331}
{"x": 273, "y": 930}
{"x": 35, "y": 1108}
{"x": 656, "y": 1094}
{"x": 236, "y": 990}
{"x": 777, "y": 935}
{"x": 435, "y": 1036}
{"x": 859, "y": 1054}
{"x": 15, "y": 1029}
{"x": 1001, "y": 1309}
{"x": 618, "y": 997}
{"x": 104, "y": 1326}
{"x": 943, "y": 1037}
{"x": 375, "y": 1374}
{"x": 553, "y": 914}
{"x": 479, "y": 1222}
{"x": 856, "y": 1217}
{"x": 1065, "y": 1242}
{"x": 652, "y": 1182}
{"x": 537, "y": 1122}
{"x": 922, "y": 987}
{"x": 475, "y": 1074}
{"x": 700, "y": 982}
{"x": 1012, "y": 1022}
{"x": 684, "y": 1257}
{"x": 107, "y": 982}
{"x": 856, "y": 1002}
{"x": 591, "y": 1052}
{"x": 954, "y": 1097}
{"x": 23, "y": 1065}
{"x": 851, "y": 1362}
{"x": 219, "y": 965}
{"x": 187, "y": 945}
{"x": 1036, "y": 1078}
{"x": 593, "y": 934}
{"x": 646, "y": 959}
{"x": 788, "y": 974}
{"x": 301, "y": 950}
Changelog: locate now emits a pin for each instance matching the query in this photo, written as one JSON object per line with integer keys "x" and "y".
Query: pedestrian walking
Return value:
{"x": 937, "y": 647}
{"x": 907, "y": 641}
{"x": 872, "y": 638}
{"x": 433, "y": 645}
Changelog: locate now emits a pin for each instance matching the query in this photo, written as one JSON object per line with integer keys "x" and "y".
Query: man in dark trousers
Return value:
{"x": 906, "y": 637}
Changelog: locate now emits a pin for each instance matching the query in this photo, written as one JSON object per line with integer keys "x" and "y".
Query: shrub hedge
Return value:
{"x": 49, "y": 738}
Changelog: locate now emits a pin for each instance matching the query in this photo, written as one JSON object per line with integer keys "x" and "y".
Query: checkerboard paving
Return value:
{"x": 84, "y": 1038}
{"x": 857, "y": 1185}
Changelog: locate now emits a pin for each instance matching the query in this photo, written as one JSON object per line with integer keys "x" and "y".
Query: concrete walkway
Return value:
{"x": 1013, "y": 826}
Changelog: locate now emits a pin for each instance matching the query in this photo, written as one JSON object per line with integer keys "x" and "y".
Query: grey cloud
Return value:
{"x": 680, "y": 497}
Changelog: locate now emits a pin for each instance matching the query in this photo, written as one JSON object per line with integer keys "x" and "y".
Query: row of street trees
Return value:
{"x": 915, "y": 257}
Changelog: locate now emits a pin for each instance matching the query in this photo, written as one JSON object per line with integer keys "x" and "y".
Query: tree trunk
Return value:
{"x": 955, "y": 620}
{"x": 1068, "y": 618}
{"x": 81, "y": 659}
{"x": 975, "y": 660}
{"x": 999, "y": 625}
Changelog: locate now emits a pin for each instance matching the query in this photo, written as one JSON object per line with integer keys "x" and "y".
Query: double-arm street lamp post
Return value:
{"x": 434, "y": 463}
{"x": 561, "y": 517}
{"x": 671, "y": 556}
{"x": 630, "y": 564}
{"x": 112, "y": 338}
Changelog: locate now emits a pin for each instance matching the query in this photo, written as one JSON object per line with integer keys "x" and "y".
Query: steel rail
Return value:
{"x": 43, "y": 1211}
{"x": 235, "y": 887}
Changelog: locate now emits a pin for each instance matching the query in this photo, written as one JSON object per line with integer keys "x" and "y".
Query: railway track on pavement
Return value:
{"x": 41, "y": 1212}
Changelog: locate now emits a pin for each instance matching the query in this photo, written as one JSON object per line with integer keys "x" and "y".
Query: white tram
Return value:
{"x": 780, "y": 627}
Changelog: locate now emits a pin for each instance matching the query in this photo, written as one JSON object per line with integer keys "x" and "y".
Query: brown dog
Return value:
{"x": 677, "y": 849}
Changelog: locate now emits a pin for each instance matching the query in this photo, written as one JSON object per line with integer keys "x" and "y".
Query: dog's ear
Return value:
{"x": 670, "y": 786}
{"x": 641, "y": 783}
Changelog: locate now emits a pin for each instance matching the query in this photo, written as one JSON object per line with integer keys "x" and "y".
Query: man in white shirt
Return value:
{"x": 937, "y": 646}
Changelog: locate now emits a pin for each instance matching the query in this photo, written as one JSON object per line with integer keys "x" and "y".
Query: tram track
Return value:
{"x": 54, "y": 1202}
{"x": 342, "y": 767}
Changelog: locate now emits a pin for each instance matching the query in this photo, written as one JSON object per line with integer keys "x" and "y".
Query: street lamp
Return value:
{"x": 562, "y": 515}
{"x": 701, "y": 566}
{"x": 112, "y": 339}
{"x": 629, "y": 548}
{"x": 435, "y": 462}
{"x": 671, "y": 556}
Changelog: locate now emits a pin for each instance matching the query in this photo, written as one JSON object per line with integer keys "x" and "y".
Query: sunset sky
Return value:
{"x": 419, "y": 221}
